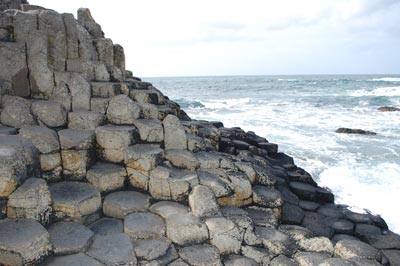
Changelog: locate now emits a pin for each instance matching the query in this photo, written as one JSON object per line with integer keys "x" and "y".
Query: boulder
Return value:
{"x": 174, "y": 134}
{"x": 184, "y": 229}
{"x": 150, "y": 130}
{"x": 75, "y": 199}
{"x": 202, "y": 202}
{"x": 336, "y": 262}
{"x": 224, "y": 234}
{"x": 392, "y": 256}
{"x": 115, "y": 249}
{"x": 107, "y": 226}
{"x": 106, "y": 176}
{"x": 23, "y": 242}
{"x": 201, "y": 255}
{"x": 69, "y": 237}
{"x": 122, "y": 110}
{"x": 144, "y": 225}
{"x": 298, "y": 233}
{"x": 120, "y": 204}
{"x": 31, "y": 200}
{"x": 49, "y": 113}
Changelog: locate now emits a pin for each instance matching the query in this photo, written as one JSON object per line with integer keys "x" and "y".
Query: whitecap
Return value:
{"x": 382, "y": 91}
{"x": 281, "y": 79}
{"x": 387, "y": 79}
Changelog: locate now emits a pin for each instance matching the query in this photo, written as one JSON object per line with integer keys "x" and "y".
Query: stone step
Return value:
{"x": 105, "y": 89}
{"x": 85, "y": 120}
{"x": 106, "y": 176}
{"x": 120, "y": 204}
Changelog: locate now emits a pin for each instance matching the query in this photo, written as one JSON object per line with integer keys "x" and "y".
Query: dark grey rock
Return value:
{"x": 144, "y": 225}
{"x": 120, "y": 204}
{"x": 201, "y": 255}
{"x": 292, "y": 214}
{"x": 107, "y": 226}
{"x": 354, "y": 131}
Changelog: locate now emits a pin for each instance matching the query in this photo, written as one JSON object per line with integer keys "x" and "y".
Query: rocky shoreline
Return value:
{"x": 100, "y": 168}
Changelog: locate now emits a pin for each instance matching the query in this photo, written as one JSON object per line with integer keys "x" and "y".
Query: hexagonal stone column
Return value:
{"x": 121, "y": 203}
{"x": 184, "y": 229}
{"x": 144, "y": 225}
{"x": 23, "y": 241}
{"x": 201, "y": 255}
{"x": 74, "y": 199}
{"x": 106, "y": 176}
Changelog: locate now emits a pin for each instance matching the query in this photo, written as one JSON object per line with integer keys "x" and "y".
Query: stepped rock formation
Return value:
{"x": 100, "y": 168}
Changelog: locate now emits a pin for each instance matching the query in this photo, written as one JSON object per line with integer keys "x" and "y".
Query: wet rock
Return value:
{"x": 348, "y": 249}
{"x": 115, "y": 249}
{"x": 69, "y": 237}
{"x": 144, "y": 225}
{"x": 184, "y": 229}
{"x": 174, "y": 134}
{"x": 201, "y": 255}
{"x": 50, "y": 114}
{"x": 388, "y": 109}
{"x": 106, "y": 177}
{"x": 276, "y": 241}
{"x": 150, "y": 130}
{"x": 224, "y": 234}
{"x": 31, "y": 200}
{"x": 354, "y": 131}
{"x": 23, "y": 241}
{"x": 75, "y": 259}
{"x": 107, "y": 226}
{"x": 202, "y": 202}
{"x": 75, "y": 199}
{"x": 168, "y": 208}
{"x": 237, "y": 260}
{"x": 120, "y": 204}
{"x": 316, "y": 224}
{"x": 122, "y": 110}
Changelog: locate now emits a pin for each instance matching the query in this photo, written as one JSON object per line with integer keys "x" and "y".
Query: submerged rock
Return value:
{"x": 354, "y": 131}
{"x": 388, "y": 109}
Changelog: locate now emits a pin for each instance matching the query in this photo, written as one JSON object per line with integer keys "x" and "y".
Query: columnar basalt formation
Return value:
{"x": 100, "y": 168}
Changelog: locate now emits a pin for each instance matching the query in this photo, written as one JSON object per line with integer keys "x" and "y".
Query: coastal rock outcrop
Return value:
{"x": 355, "y": 131}
{"x": 98, "y": 167}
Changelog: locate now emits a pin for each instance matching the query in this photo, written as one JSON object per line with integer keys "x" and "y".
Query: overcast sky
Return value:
{"x": 254, "y": 37}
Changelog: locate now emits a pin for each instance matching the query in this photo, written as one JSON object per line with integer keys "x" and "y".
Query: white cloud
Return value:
{"x": 208, "y": 37}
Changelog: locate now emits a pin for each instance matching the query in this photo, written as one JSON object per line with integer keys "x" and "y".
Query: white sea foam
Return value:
{"x": 281, "y": 79}
{"x": 382, "y": 91}
{"x": 387, "y": 79}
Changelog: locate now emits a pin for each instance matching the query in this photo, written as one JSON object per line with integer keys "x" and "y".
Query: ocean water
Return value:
{"x": 301, "y": 114}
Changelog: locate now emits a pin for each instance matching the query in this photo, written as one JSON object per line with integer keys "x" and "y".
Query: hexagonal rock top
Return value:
{"x": 22, "y": 241}
{"x": 121, "y": 203}
{"x": 75, "y": 199}
{"x": 185, "y": 229}
{"x": 201, "y": 255}
{"x": 144, "y": 225}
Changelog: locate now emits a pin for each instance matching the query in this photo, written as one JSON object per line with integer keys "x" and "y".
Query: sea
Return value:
{"x": 301, "y": 114}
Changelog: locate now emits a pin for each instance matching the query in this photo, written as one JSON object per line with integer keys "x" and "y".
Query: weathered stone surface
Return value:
{"x": 71, "y": 33}
{"x": 202, "y": 202}
{"x": 143, "y": 157}
{"x": 182, "y": 159}
{"x": 348, "y": 249}
{"x": 184, "y": 229}
{"x": 12, "y": 170}
{"x": 120, "y": 204}
{"x": 317, "y": 244}
{"x": 262, "y": 216}
{"x": 106, "y": 177}
{"x": 389, "y": 240}
{"x": 276, "y": 242}
{"x": 316, "y": 223}
{"x": 237, "y": 260}
{"x": 144, "y": 225}
{"x": 282, "y": 260}
{"x": 85, "y": 19}
{"x": 76, "y": 163}
{"x": 122, "y": 110}
{"x": 31, "y": 200}
{"x": 343, "y": 227}
{"x": 310, "y": 258}
{"x": 267, "y": 197}
{"x": 23, "y": 241}
{"x": 76, "y": 139}
{"x": 75, "y": 199}
{"x": 168, "y": 208}
{"x": 72, "y": 260}
{"x": 50, "y": 114}
{"x": 105, "y": 89}
{"x": 242, "y": 190}
{"x": 17, "y": 114}
{"x": 69, "y": 237}
{"x": 292, "y": 214}
{"x": 85, "y": 120}
{"x": 218, "y": 184}
{"x": 224, "y": 234}
{"x": 7, "y": 130}
{"x": 44, "y": 139}
{"x": 107, "y": 226}
{"x": 296, "y": 232}
{"x": 178, "y": 262}
{"x": 151, "y": 249}
{"x": 174, "y": 134}
{"x": 138, "y": 179}
{"x": 201, "y": 255}
{"x": 304, "y": 191}
{"x": 115, "y": 249}
{"x": 336, "y": 262}
{"x": 260, "y": 255}
{"x": 105, "y": 50}
{"x": 150, "y": 130}
{"x": 99, "y": 105}
{"x": 392, "y": 256}
{"x": 87, "y": 50}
